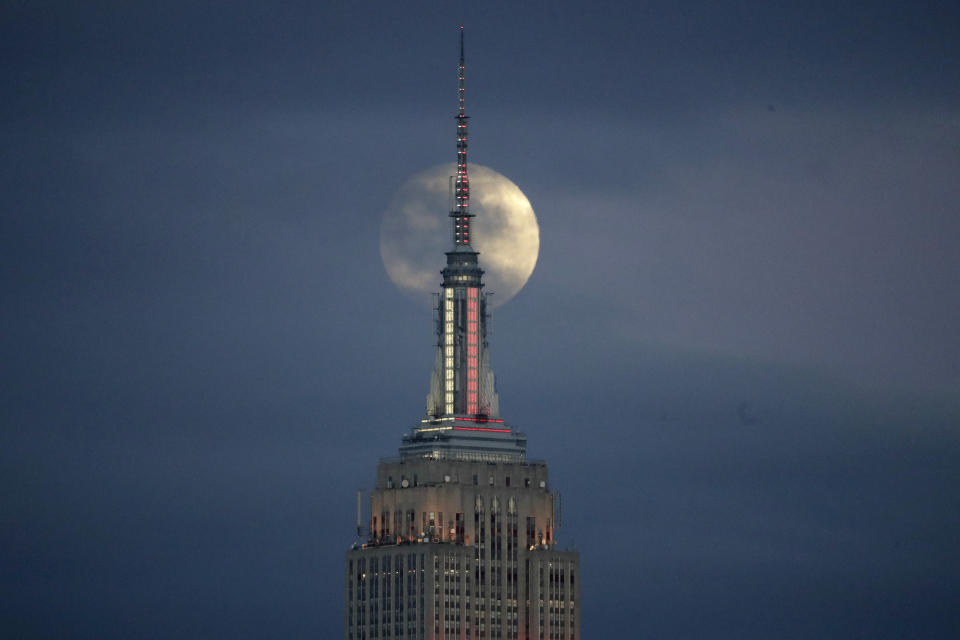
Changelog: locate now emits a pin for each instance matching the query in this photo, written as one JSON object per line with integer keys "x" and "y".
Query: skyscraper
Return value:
{"x": 461, "y": 538}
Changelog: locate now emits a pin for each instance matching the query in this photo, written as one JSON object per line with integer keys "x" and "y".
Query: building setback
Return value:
{"x": 461, "y": 535}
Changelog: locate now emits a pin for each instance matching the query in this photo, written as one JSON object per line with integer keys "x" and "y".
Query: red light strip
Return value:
{"x": 472, "y": 396}
{"x": 478, "y": 419}
{"x": 482, "y": 429}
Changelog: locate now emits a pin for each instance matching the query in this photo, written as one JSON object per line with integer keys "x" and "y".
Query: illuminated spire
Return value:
{"x": 462, "y": 386}
{"x": 461, "y": 213}
{"x": 463, "y": 407}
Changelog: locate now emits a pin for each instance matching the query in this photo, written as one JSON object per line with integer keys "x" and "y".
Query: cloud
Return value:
{"x": 818, "y": 238}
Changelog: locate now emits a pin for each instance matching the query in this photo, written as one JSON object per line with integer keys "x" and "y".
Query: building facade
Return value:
{"x": 461, "y": 536}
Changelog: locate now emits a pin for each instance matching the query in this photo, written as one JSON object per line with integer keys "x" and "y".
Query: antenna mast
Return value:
{"x": 360, "y": 513}
{"x": 461, "y": 213}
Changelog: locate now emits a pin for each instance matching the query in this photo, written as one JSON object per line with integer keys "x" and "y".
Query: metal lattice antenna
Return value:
{"x": 461, "y": 213}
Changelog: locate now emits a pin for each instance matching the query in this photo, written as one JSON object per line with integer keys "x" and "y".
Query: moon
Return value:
{"x": 416, "y": 231}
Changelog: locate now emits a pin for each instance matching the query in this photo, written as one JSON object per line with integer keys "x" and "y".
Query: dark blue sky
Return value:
{"x": 739, "y": 350}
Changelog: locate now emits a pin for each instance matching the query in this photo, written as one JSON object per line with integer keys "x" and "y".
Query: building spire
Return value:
{"x": 461, "y": 213}
{"x": 462, "y": 386}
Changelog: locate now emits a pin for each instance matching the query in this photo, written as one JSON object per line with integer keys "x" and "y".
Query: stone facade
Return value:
{"x": 461, "y": 550}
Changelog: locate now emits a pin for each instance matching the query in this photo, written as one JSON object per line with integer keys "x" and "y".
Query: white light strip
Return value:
{"x": 448, "y": 374}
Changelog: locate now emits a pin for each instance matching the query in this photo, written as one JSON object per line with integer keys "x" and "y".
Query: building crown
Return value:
{"x": 463, "y": 405}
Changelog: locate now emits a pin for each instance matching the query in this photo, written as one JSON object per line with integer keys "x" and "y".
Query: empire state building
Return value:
{"x": 461, "y": 537}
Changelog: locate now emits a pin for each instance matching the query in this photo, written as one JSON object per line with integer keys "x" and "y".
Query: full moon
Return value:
{"x": 416, "y": 231}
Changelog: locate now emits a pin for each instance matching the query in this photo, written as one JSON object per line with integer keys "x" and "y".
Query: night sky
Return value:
{"x": 739, "y": 351}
